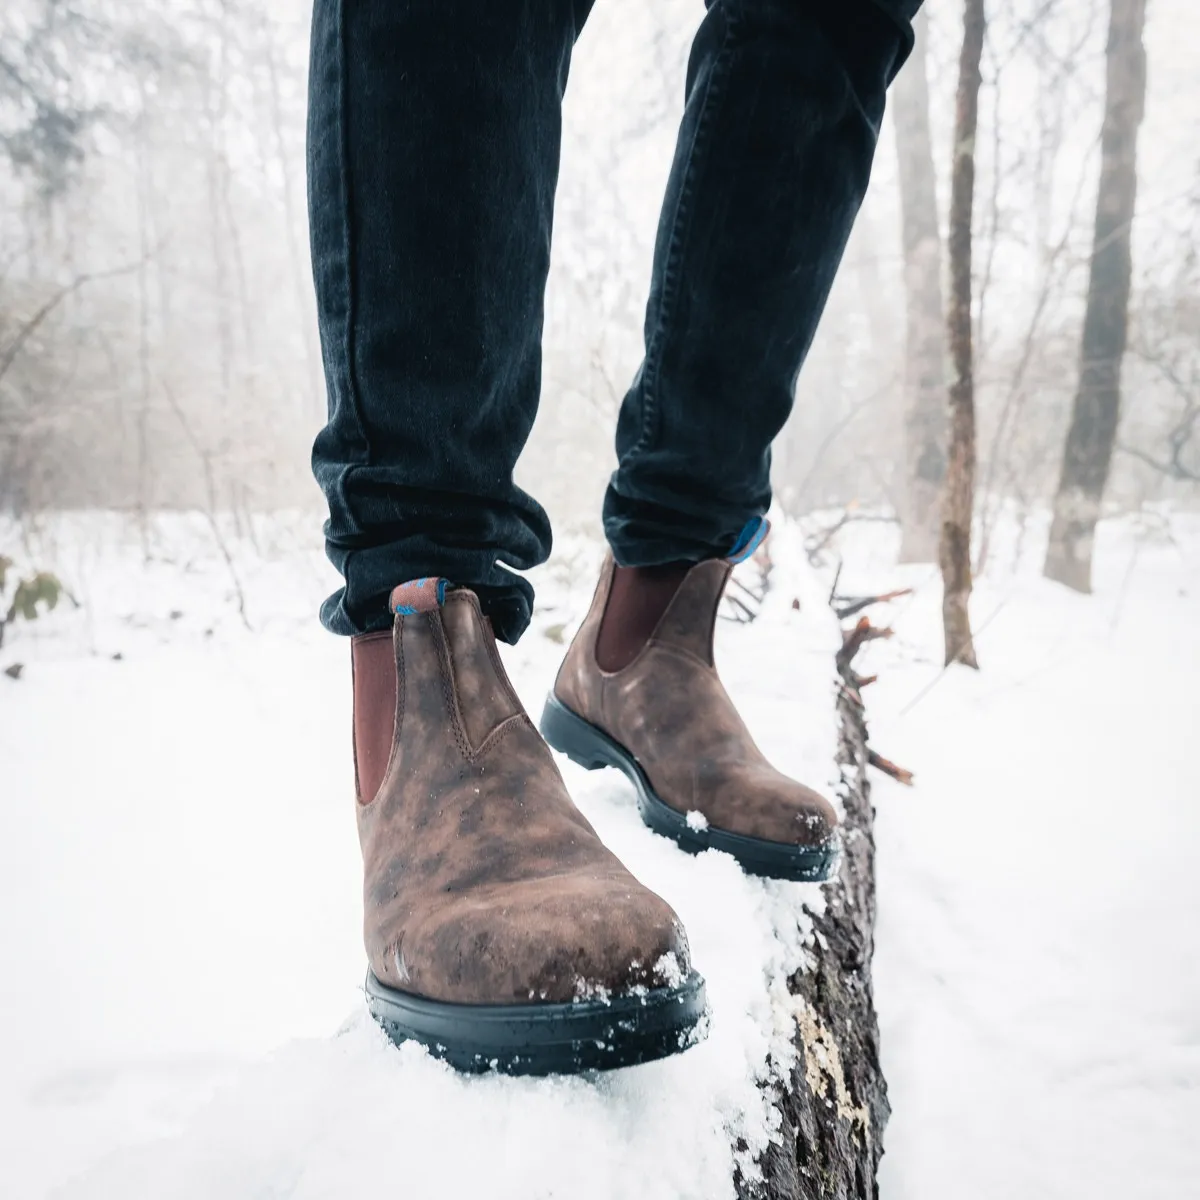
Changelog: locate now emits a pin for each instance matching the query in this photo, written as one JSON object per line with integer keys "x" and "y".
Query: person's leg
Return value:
{"x": 500, "y": 932}
{"x": 784, "y": 103}
{"x": 433, "y": 148}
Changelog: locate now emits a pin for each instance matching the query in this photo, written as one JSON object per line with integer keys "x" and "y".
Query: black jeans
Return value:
{"x": 434, "y": 129}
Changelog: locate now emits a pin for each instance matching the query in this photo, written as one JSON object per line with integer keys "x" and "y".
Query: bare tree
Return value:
{"x": 925, "y": 351}
{"x": 959, "y": 496}
{"x": 296, "y": 258}
{"x": 1173, "y": 361}
{"x": 42, "y": 119}
{"x": 1091, "y": 436}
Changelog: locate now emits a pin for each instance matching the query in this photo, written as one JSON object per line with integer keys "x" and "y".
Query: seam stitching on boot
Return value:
{"x": 499, "y": 734}
{"x": 726, "y": 571}
{"x": 449, "y": 691}
{"x": 712, "y": 629}
{"x": 502, "y": 676}
{"x": 493, "y": 654}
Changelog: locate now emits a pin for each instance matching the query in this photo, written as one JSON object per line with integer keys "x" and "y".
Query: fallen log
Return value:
{"x": 833, "y": 1103}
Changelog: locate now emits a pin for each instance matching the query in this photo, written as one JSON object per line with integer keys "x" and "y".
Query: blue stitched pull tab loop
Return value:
{"x": 753, "y": 534}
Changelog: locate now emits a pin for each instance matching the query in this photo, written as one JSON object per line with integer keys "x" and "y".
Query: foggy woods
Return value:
{"x": 995, "y": 445}
{"x": 157, "y": 336}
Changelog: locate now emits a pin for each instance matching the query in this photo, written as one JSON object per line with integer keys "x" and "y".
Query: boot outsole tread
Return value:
{"x": 592, "y": 748}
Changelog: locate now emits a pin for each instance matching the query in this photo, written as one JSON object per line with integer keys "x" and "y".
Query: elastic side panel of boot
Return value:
{"x": 373, "y": 663}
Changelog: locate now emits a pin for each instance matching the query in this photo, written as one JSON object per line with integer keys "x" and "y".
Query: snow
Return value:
{"x": 1037, "y": 973}
{"x": 181, "y": 1013}
{"x": 180, "y": 1005}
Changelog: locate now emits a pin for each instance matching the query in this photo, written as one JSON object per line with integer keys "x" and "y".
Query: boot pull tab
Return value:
{"x": 418, "y": 595}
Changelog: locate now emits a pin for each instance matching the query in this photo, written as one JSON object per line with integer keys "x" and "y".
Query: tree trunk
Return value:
{"x": 833, "y": 1106}
{"x": 1093, "y": 429}
{"x": 959, "y": 496}
{"x": 925, "y": 351}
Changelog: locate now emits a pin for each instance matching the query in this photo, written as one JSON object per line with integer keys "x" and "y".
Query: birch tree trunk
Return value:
{"x": 959, "y": 495}
{"x": 1087, "y": 454}
{"x": 925, "y": 350}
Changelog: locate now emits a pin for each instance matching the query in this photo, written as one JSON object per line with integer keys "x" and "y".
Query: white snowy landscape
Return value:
{"x": 180, "y": 1004}
{"x": 181, "y": 959}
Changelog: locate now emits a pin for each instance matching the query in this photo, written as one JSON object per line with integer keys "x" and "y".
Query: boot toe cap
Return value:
{"x": 546, "y": 941}
{"x": 766, "y": 804}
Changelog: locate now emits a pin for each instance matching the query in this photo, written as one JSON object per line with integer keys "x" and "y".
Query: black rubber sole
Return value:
{"x": 592, "y": 748}
{"x": 546, "y": 1039}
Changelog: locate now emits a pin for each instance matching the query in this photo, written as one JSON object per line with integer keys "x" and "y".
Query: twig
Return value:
{"x": 855, "y": 604}
{"x": 819, "y": 458}
{"x": 946, "y": 666}
{"x": 864, "y": 631}
{"x": 743, "y": 614}
{"x": 1175, "y": 468}
{"x": 754, "y": 595}
{"x": 9, "y": 356}
{"x": 899, "y": 774}
{"x": 837, "y": 575}
{"x": 814, "y": 548}
{"x": 1015, "y": 397}
{"x": 210, "y": 511}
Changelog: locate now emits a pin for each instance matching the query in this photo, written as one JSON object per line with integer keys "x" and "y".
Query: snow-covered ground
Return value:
{"x": 1038, "y": 961}
{"x": 179, "y": 1003}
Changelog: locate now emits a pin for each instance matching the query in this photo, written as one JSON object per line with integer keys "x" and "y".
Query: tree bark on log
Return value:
{"x": 833, "y": 1104}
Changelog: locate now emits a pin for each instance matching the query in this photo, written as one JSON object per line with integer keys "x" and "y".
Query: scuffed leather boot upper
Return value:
{"x": 484, "y": 884}
{"x": 669, "y": 709}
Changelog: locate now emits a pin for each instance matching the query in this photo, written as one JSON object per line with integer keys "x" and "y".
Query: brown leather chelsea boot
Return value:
{"x": 500, "y": 932}
{"x": 666, "y": 721}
